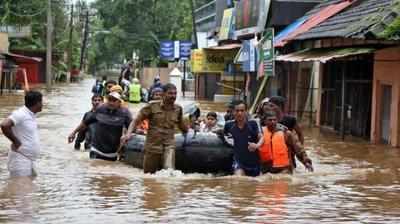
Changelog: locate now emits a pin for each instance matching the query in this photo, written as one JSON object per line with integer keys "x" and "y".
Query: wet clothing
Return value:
{"x": 85, "y": 135}
{"x": 93, "y": 154}
{"x": 21, "y": 163}
{"x": 109, "y": 124}
{"x": 152, "y": 162}
{"x": 248, "y": 171}
{"x": 242, "y": 137}
{"x": 160, "y": 135}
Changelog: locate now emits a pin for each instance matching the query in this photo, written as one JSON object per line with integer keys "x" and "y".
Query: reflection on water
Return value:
{"x": 353, "y": 183}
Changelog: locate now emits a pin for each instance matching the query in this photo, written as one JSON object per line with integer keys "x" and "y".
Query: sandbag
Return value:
{"x": 201, "y": 153}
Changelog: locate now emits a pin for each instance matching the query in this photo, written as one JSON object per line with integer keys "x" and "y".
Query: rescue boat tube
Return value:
{"x": 201, "y": 153}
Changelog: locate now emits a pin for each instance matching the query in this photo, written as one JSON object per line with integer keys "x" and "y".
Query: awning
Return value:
{"x": 23, "y": 57}
{"x": 314, "y": 21}
{"x": 225, "y": 47}
{"x": 323, "y": 55}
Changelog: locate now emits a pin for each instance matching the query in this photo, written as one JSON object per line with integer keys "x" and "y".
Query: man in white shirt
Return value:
{"x": 22, "y": 130}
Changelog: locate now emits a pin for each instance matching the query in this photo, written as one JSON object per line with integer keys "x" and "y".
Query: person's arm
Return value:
{"x": 299, "y": 133}
{"x": 144, "y": 113}
{"x": 254, "y": 146}
{"x": 82, "y": 126}
{"x": 299, "y": 151}
{"x": 6, "y": 128}
{"x": 89, "y": 119}
{"x": 181, "y": 123}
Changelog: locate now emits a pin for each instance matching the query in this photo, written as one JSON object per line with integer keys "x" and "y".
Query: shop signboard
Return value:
{"x": 268, "y": 52}
{"x": 251, "y": 16}
{"x": 204, "y": 60}
{"x": 226, "y": 31}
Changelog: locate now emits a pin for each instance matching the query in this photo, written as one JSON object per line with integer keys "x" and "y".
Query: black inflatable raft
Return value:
{"x": 201, "y": 153}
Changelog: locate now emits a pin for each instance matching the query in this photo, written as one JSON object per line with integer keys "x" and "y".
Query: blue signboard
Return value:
{"x": 185, "y": 49}
{"x": 167, "y": 49}
{"x": 170, "y": 50}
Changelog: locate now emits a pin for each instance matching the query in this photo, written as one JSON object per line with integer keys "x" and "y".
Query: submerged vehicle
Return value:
{"x": 200, "y": 153}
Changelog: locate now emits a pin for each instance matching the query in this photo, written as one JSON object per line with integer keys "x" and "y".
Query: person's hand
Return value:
{"x": 309, "y": 166}
{"x": 126, "y": 138}
{"x": 253, "y": 147}
{"x": 15, "y": 146}
{"x": 71, "y": 137}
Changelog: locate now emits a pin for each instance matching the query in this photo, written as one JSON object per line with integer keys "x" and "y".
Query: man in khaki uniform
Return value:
{"x": 163, "y": 116}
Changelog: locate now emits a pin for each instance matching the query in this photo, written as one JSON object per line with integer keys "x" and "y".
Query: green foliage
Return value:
{"x": 392, "y": 31}
{"x": 137, "y": 26}
{"x": 34, "y": 14}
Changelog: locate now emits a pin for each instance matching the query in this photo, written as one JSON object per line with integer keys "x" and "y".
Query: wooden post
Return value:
{"x": 342, "y": 114}
{"x": 26, "y": 83}
{"x": 195, "y": 45}
{"x": 184, "y": 78}
{"x": 49, "y": 37}
{"x": 71, "y": 21}
{"x": 84, "y": 42}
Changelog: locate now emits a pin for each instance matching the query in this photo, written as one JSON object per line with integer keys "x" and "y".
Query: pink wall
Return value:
{"x": 386, "y": 72}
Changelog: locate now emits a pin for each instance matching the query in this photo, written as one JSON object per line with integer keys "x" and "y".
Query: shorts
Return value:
{"x": 249, "y": 171}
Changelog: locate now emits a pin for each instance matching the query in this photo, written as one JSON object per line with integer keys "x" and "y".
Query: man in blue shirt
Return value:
{"x": 247, "y": 139}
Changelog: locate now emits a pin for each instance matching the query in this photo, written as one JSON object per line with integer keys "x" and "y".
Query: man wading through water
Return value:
{"x": 22, "y": 130}
{"x": 247, "y": 139}
{"x": 163, "y": 116}
{"x": 276, "y": 152}
{"x": 110, "y": 119}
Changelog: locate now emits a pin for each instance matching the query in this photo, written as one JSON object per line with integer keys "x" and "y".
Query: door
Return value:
{"x": 386, "y": 102}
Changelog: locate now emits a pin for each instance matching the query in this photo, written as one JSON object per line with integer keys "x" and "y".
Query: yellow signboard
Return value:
{"x": 204, "y": 60}
{"x": 197, "y": 59}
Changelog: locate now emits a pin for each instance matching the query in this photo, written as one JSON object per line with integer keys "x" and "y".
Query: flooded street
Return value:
{"x": 352, "y": 183}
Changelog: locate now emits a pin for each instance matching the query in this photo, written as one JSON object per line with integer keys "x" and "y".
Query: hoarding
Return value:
{"x": 251, "y": 16}
{"x": 211, "y": 60}
{"x": 268, "y": 52}
{"x": 227, "y": 28}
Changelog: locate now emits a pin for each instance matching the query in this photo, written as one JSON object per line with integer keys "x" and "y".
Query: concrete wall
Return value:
{"x": 148, "y": 74}
{"x": 4, "y": 42}
{"x": 386, "y": 72}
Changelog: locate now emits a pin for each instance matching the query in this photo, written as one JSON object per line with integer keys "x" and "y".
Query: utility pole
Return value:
{"x": 84, "y": 41}
{"x": 71, "y": 23}
{"x": 194, "y": 24}
{"x": 49, "y": 76}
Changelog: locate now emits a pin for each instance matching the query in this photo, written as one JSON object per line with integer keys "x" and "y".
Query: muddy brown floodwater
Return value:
{"x": 353, "y": 182}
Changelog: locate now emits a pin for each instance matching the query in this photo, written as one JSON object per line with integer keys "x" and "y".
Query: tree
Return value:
{"x": 139, "y": 26}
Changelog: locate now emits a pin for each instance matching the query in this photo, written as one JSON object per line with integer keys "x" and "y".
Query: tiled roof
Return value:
{"x": 363, "y": 19}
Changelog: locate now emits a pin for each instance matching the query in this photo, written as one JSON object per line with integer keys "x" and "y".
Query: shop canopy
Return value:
{"x": 22, "y": 58}
{"x": 225, "y": 47}
{"x": 323, "y": 55}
